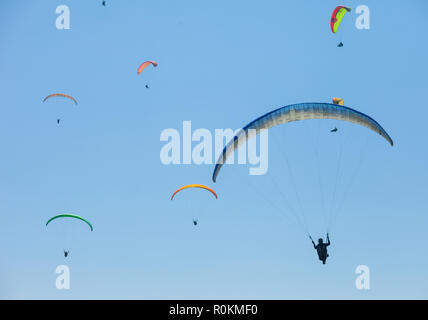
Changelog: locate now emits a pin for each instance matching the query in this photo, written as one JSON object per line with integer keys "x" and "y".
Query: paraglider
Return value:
{"x": 336, "y": 18}
{"x": 321, "y": 248}
{"x": 195, "y": 221}
{"x": 104, "y": 3}
{"x": 73, "y": 216}
{"x": 296, "y": 112}
{"x": 338, "y": 101}
{"x": 60, "y": 95}
{"x": 145, "y": 65}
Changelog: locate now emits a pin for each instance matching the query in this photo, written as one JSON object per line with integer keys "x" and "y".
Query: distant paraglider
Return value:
{"x": 73, "y": 216}
{"x": 145, "y": 65}
{"x": 336, "y": 18}
{"x": 195, "y": 221}
{"x": 61, "y": 95}
{"x": 338, "y": 101}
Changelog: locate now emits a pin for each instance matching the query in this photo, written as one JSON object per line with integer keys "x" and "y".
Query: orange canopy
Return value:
{"x": 195, "y": 186}
{"x": 145, "y": 65}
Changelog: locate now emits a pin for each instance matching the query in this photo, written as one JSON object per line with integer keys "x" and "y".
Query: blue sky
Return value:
{"x": 221, "y": 65}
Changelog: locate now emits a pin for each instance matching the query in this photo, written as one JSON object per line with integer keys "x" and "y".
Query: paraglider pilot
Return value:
{"x": 195, "y": 222}
{"x": 66, "y": 253}
{"x": 321, "y": 248}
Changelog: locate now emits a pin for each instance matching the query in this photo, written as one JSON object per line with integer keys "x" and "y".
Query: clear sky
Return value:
{"x": 221, "y": 65}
